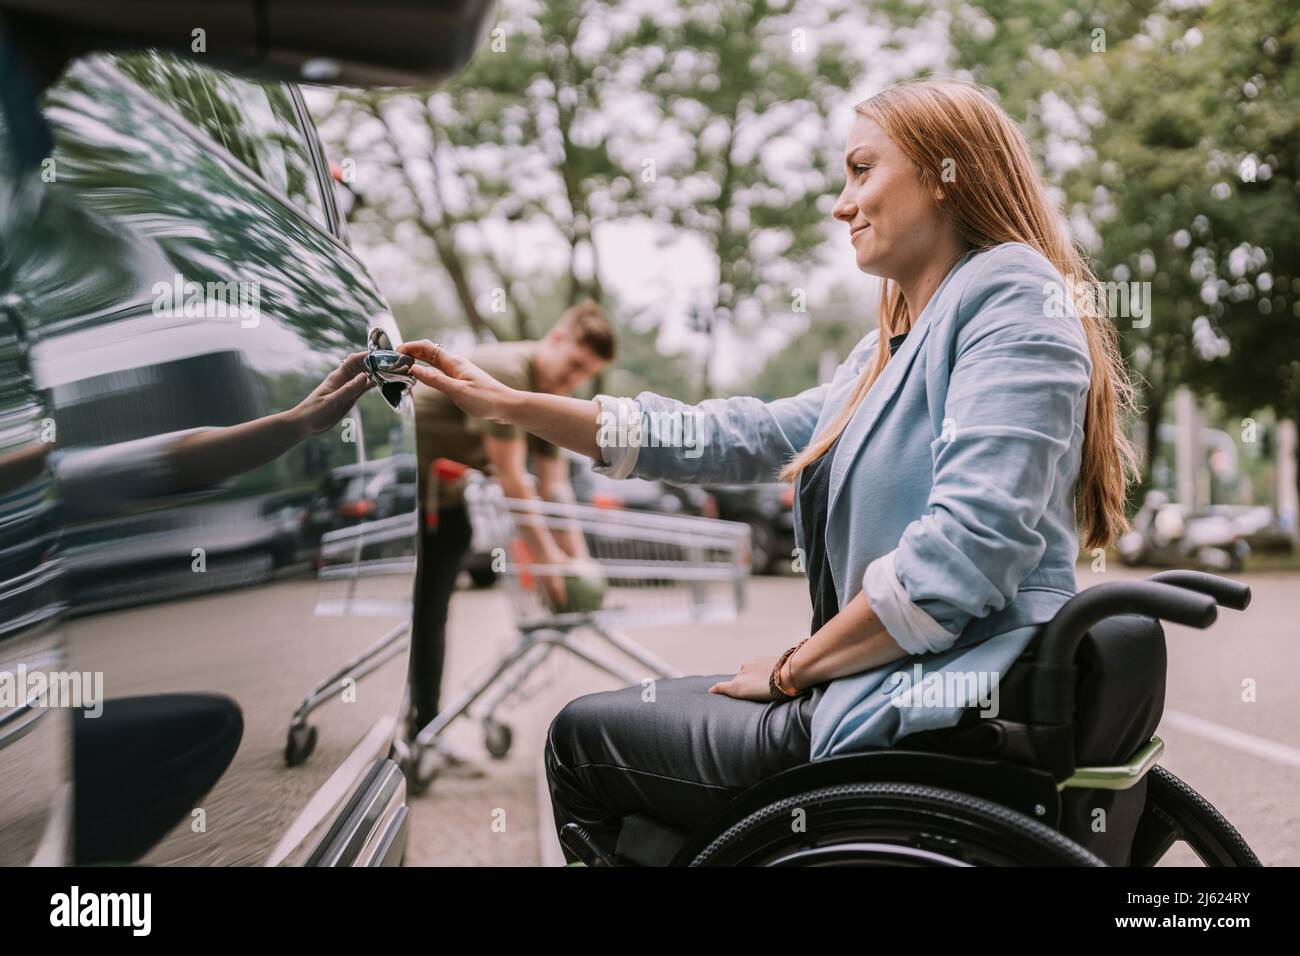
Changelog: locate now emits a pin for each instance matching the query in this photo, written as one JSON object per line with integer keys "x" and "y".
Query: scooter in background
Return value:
{"x": 1164, "y": 535}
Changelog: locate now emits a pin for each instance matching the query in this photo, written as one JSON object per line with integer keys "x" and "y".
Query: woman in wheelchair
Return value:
{"x": 941, "y": 475}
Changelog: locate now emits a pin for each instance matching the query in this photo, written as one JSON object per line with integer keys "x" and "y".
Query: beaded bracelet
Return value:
{"x": 774, "y": 680}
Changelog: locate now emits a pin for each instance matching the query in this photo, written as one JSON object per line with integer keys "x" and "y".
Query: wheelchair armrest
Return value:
{"x": 1226, "y": 593}
{"x": 1054, "y": 678}
{"x": 1062, "y": 634}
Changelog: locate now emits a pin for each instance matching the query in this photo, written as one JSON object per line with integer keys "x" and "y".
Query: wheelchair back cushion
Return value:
{"x": 1121, "y": 690}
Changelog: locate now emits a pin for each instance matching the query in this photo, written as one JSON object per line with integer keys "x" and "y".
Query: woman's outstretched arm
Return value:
{"x": 571, "y": 423}
{"x": 734, "y": 440}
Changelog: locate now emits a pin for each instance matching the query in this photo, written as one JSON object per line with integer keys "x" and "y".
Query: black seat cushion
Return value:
{"x": 1119, "y": 697}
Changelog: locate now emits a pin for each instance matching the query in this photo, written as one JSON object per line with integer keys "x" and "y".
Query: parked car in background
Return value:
{"x": 768, "y": 510}
{"x": 175, "y": 279}
{"x": 637, "y": 494}
{"x": 367, "y": 491}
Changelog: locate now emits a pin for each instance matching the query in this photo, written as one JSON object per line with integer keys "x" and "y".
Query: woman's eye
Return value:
{"x": 861, "y": 169}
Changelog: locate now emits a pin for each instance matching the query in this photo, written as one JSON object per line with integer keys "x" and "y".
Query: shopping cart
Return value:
{"x": 654, "y": 570}
{"x": 365, "y": 571}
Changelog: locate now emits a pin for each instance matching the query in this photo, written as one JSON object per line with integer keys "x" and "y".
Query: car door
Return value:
{"x": 35, "y": 751}
{"x": 182, "y": 274}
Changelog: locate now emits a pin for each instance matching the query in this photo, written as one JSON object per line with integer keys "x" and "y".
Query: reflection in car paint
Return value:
{"x": 172, "y": 503}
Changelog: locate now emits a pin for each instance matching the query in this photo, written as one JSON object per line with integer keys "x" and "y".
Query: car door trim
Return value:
{"x": 373, "y": 807}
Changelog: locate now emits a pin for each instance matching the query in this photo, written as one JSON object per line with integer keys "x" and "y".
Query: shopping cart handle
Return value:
{"x": 1226, "y": 593}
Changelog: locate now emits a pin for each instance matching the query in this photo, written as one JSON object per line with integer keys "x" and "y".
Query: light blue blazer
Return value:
{"x": 951, "y": 495}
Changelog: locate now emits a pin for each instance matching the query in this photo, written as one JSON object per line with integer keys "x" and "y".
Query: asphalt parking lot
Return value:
{"x": 1231, "y": 726}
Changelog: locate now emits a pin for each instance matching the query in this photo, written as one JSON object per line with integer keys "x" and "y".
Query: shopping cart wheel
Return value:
{"x": 497, "y": 738}
{"x": 482, "y": 576}
{"x": 301, "y": 743}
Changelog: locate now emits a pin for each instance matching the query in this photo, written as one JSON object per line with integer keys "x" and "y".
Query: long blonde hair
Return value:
{"x": 998, "y": 197}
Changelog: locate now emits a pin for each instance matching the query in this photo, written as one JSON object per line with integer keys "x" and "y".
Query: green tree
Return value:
{"x": 1182, "y": 172}
{"x": 519, "y": 139}
{"x": 835, "y": 325}
{"x": 731, "y": 83}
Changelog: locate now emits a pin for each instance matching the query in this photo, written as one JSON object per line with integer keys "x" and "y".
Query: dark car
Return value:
{"x": 175, "y": 279}
{"x": 368, "y": 491}
{"x": 767, "y": 509}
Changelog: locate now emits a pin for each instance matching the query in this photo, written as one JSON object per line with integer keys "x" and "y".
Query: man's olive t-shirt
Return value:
{"x": 444, "y": 431}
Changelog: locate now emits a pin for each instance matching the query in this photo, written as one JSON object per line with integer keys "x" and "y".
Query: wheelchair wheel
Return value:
{"x": 890, "y": 824}
{"x": 1174, "y": 811}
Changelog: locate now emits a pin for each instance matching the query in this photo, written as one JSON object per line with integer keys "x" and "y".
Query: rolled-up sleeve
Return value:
{"x": 908, "y": 624}
{"x": 1015, "y": 406}
{"x": 618, "y": 435}
{"x": 740, "y": 440}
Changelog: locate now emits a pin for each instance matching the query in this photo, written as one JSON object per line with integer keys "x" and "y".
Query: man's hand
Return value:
{"x": 330, "y": 400}
{"x": 556, "y": 592}
{"x": 751, "y": 683}
{"x": 477, "y": 393}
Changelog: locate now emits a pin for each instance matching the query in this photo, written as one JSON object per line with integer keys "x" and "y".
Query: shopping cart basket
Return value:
{"x": 366, "y": 570}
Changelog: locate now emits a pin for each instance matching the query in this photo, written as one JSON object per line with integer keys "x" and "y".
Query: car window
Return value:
{"x": 255, "y": 122}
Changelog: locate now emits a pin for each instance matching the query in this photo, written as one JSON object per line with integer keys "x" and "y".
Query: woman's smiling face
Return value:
{"x": 895, "y": 224}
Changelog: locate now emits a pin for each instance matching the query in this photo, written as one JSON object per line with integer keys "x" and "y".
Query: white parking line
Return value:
{"x": 1247, "y": 743}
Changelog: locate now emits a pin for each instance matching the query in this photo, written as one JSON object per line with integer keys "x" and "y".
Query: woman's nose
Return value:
{"x": 844, "y": 209}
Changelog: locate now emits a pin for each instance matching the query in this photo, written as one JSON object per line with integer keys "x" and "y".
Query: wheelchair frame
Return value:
{"x": 898, "y": 806}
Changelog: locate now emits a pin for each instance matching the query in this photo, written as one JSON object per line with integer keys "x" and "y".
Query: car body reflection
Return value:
{"x": 183, "y": 278}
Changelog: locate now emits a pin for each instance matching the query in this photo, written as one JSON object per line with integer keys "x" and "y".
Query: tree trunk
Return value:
{"x": 1151, "y": 418}
{"x": 451, "y": 261}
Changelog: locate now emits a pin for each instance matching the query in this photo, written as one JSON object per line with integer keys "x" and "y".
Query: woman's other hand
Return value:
{"x": 751, "y": 683}
{"x": 476, "y": 392}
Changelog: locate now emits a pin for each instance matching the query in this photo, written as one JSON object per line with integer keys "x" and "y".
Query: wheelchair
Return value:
{"x": 1065, "y": 775}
